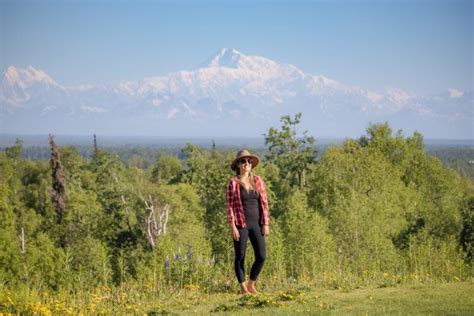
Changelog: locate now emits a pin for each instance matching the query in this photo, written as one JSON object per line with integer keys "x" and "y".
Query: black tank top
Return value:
{"x": 251, "y": 205}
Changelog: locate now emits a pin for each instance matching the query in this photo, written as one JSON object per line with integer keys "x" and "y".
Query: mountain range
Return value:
{"x": 231, "y": 94}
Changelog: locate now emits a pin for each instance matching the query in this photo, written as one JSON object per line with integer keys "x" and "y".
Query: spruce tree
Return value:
{"x": 58, "y": 192}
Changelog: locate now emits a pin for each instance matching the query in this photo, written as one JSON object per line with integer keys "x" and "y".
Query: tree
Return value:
{"x": 291, "y": 154}
{"x": 166, "y": 168}
{"x": 312, "y": 249}
{"x": 10, "y": 259}
{"x": 14, "y": 152}
{"x": 96, "y": 149}
{"x": 58, "y": 193}
{"x": 209, "y": 175}
{"x": 467, "y": 233}
{"x": 365, "y": 202}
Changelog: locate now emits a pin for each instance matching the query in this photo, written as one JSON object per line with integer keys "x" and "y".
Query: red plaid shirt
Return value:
{"x": 235, "y": 209}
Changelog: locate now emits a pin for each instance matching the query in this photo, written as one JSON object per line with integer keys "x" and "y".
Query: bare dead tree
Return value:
{"x": 124, "y": 202}
{"x": 58, "y": 193}
{"x": 22, "y": 238}
{"x": 155, "y": 228}
{"x": 155, "y": 223}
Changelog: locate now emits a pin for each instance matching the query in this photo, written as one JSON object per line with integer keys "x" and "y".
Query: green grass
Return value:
{"x": 439, "y": 299}
{"x": 407, "y": 299}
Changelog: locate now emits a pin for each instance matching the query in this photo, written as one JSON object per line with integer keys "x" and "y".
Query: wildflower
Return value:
{"x": 177, "y": 257}
{"x": 167, "y": 263}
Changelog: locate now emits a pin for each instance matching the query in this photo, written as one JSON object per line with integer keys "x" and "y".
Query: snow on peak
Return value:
{"x": 455, "y": 93}
{"x": 226, "y": 58}
{"x": 11, "y": 72}
{"x": 232, "y": 58}
{"x": 232, "y": 75}
{"x": 398, "y": 96}
{"x": 23, "y": 77}
{"x": 19, "y": 85}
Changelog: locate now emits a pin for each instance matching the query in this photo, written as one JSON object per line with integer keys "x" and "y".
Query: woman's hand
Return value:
{"x": 266, "y": 230}
{"x": 235, "y": 233}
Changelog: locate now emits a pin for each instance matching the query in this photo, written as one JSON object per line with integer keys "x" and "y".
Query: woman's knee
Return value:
{"x": 260, "y": 257}
{"x": 239, "y": 257}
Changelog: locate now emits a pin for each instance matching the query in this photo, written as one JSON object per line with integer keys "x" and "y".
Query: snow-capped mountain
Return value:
{"x": 230, "y": 94}
{"x": 19, "y": 86}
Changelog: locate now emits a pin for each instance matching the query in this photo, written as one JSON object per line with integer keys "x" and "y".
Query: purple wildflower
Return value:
{"x": 177, "y": 257}
{"x": 167, "y": 263}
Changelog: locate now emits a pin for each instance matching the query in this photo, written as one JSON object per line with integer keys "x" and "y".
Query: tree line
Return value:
{"x": 373, "y": 210}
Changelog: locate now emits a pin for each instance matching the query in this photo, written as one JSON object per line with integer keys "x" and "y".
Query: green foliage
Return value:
{"x": 467, "y": 233}
{"x": 373, "y": 211}
{"x": 186, "y": 227}
{"x": 380, "y": 192}
{"x": 84, "y": 217}
{"x": 88, "y": 261}
{"x": 43, "y": 264}
{"x": 10, "y": 256}
{"x": 310, "y": 248}
{"x": 458, "y": 158}
{"x": 359, "y": 193}
{"x": 166, "y": 169}
{"x": 73, "y": 164}
{"x": 209, "y": 174}
{"x": 14, "y": 152}
{"x": 291, "y": 154}
{"x": 275, "y": 262}
{"x": 430, "y": 258}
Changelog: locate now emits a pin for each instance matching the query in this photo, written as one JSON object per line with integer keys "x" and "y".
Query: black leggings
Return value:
{"x": 254, "y": 232}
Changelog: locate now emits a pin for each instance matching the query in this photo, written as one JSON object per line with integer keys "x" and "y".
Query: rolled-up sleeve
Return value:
{"x": 230, "y": 203}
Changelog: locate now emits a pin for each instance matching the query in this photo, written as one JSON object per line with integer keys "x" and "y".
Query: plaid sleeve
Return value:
{"x": 264, "y": 202}
{"x": 230, "y": 204}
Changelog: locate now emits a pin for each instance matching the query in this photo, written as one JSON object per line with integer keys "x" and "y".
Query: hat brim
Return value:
{"x": 255, "y": 161}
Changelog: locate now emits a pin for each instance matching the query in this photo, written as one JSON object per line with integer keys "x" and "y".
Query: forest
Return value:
{"x": 376, "y": 211}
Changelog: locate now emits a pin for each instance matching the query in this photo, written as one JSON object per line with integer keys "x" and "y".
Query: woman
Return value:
{"x": 247, "y": 215}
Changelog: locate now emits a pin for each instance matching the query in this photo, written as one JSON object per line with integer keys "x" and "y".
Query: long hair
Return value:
{"x": 253, "y": 186}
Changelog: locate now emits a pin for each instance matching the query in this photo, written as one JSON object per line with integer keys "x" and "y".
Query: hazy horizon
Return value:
{"x": 7, "y": 140}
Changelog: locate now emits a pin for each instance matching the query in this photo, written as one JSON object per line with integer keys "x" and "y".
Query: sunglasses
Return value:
{"x": 245, "y": 160}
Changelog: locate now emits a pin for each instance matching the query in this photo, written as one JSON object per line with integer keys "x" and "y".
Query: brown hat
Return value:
{"x": 242, "y": 154}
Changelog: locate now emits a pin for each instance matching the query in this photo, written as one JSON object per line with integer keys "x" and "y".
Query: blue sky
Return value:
{"x": 421, "y": 46}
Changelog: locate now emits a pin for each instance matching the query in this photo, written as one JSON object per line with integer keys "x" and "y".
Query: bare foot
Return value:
{"x": 251, "y": 287}
{"x": 243, "y": 289}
